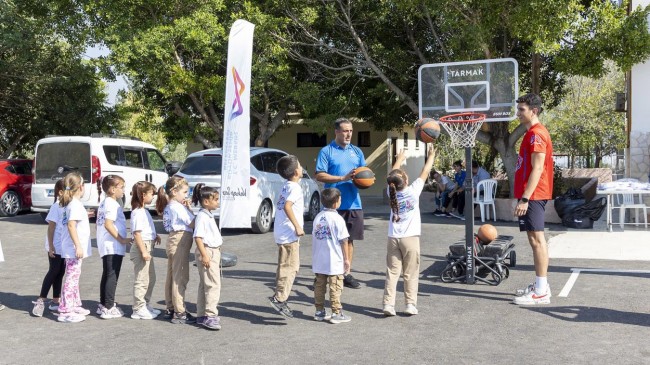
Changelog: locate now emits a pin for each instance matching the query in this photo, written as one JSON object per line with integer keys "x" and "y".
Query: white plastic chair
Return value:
{"x": 627, "y": 201}
{"x": 486, "y": 191}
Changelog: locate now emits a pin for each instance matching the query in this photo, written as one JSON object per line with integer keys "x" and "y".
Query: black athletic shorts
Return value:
{"x": 533, "y": 220}
{"x": 354, "y": 221}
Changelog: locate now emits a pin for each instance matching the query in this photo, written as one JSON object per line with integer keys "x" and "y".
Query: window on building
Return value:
{"x": 363, "y": 139}
{"x": 312, "y": 140}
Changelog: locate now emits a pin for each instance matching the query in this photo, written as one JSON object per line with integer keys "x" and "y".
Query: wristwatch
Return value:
{"x": 524, "y": 200}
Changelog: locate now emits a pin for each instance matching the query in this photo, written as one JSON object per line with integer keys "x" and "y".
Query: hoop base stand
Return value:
{"x": 462, "y": 129}
{"x": 470, "y": 273}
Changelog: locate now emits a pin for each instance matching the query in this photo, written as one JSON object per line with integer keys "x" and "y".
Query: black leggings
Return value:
{"x": 54, "y": 277}
{"x": 111, "y": 273}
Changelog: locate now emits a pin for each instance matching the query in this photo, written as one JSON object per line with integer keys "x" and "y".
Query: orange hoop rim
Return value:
{"x": 466, "y": 118}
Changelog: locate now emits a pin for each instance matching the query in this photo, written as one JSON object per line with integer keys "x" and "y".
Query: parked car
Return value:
{"x": 95, "y": 156}
{"x": 205, "y": 167}
{"x": 15, "y": 186}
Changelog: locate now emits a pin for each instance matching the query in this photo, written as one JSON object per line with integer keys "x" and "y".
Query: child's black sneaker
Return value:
{"x": 183, "y": 318}
{"x": 281, "y": 307}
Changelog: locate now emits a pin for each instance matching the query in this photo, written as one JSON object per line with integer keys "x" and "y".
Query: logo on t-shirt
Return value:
{"x": 322, "y": 230}
{"x": 406, "y": 206}
{"x": 535, "y": 139}
{"x": 519, "y": 161}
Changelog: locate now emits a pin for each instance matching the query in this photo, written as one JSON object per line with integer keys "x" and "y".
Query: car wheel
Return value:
{"x": 314, "y": 207}
{"x": 9, "y": 204}
{"x": 264, "y": 218}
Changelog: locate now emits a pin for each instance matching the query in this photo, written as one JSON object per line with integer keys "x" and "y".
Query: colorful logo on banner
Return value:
{"x": 237, "y": 108}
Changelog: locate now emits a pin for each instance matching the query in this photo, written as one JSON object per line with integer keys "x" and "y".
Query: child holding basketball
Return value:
{"x": 404, "y": 227}
{"x": 287, "y": 232}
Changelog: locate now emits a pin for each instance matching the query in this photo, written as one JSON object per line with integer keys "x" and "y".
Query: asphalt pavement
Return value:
{"x": 603, "y": 320}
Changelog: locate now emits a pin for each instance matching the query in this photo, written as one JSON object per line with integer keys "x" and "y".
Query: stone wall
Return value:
{"x": 638, "y": 160}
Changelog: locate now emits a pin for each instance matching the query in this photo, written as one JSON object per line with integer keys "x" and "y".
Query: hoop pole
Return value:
{"x": 469, "y": 219}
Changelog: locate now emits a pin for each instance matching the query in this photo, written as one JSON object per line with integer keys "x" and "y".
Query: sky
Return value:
{"x": 112, "y": 87}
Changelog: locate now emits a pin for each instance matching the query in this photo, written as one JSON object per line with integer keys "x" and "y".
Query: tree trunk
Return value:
{"x": 12, "y": 147}
{"x": 536, "y": 65}
{"x": 268, "y": 127}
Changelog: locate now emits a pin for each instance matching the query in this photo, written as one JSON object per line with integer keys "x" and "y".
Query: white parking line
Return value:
{"x": 576, "y": 272}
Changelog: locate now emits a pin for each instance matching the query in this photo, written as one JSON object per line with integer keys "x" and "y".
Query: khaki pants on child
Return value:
{"x": 288, "y": 266}
{"x": 335, "y": 285}
{"x": 145, "y": 275}
{"x": 402, "y": 257}
{"x": 179, "y": 244}
{"x": 209, "y": 283}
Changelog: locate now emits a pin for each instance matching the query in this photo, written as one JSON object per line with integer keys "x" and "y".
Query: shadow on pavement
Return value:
{"x": 593, "y": 315}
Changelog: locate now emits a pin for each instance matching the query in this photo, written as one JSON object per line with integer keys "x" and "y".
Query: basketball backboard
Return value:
{"x": 489, "y": 87}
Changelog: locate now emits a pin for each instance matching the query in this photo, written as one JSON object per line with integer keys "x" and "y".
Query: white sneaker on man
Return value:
{"x": 530, "y": 288}
{"x": 531, "y": 298}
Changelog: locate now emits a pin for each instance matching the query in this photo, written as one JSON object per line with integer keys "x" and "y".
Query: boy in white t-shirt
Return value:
{"x": 329, "y": 256}
{"x": 287, "y": 230}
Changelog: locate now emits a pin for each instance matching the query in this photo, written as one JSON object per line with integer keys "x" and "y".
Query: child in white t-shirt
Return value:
{"x": 144, "y": 238}
{"x": 178, "y": 220}
{"x": 287, "y": 230}
{"x": 404, "y": 227}
{"x": 54, "y": 277}
{"x": 111, "y": 242}
{"x": 330, "y": 256}
{"x": 208, "y": 256}
{"x": 75, "y": 246}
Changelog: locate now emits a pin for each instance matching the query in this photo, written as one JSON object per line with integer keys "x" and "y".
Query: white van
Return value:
{"x": 95, "y": 156}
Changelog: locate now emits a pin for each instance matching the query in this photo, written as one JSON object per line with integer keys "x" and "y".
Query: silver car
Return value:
{"x": 205, "y": 167}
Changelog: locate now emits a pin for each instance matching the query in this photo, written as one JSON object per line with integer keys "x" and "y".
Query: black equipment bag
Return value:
{"x": 583, "y": 217}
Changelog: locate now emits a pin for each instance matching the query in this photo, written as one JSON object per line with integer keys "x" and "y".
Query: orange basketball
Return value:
{"x": 427, "y": 130}
{"x": 487, "y": 233}
{"x": 363, "y": 177}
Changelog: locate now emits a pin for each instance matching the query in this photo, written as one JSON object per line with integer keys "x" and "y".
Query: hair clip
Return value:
{"x": 67, "y": 188}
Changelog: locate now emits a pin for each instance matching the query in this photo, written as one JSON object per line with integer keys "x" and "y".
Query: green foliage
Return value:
{"x": 585, "y": 123}
{"x": 45, "y": 85}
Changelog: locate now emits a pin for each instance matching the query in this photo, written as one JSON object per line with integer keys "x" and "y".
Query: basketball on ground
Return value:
{"x": 486, "y": 234}
{"x": 363, "y": 178}
{"x": 427, "y": 130}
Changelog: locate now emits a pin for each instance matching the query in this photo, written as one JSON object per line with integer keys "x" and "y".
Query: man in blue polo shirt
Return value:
{"x": 335, "y": 167}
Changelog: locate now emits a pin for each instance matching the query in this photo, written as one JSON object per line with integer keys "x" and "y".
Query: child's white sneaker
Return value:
{"x": 71, "y": 318}
{"x": 111, "y": 313}
{"x": 411, "y": 310}
{"x": 142, "y": 313}
{"x": 154, "y": 312}
{"x": 389, "y": 310}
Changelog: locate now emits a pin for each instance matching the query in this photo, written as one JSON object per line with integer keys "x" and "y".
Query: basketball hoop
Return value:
{"x": 462, "y": 128}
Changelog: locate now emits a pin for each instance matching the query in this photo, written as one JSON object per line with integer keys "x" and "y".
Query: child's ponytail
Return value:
{"x": 196, "y": 194}
{"x": 162, "y": 200}
{"x": 58, "y": 188}
{"x": 396, "y": 182}
{"x": 72, "y": 183}
{"x": 202, "y": 192}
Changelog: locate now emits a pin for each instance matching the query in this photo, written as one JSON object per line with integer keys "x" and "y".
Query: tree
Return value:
{"x": 585, "y": 123}
{"x": 175, "y": 53}
{"x": 45, "y": 85}
{"x": 381, "y": 44}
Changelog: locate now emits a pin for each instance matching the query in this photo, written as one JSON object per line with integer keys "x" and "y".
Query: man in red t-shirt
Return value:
{"x": 533, "y": 188}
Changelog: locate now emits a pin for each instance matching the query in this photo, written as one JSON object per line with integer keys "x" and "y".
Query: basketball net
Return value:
{"x": 462, "y": 128}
